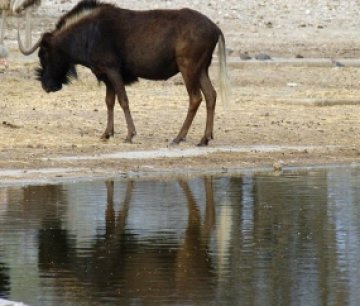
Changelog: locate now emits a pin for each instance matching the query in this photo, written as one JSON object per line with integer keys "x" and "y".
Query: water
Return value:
{"x": 256, "y": 239}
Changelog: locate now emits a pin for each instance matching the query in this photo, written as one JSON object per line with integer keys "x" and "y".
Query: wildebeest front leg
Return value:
{"x": 110, "y": 102}
{"x": 119, "y": 88}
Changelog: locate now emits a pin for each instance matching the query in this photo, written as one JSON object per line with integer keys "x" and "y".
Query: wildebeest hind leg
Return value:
{"x": 195, "y": 98}
{"x": 210, "y": 97}
{"x": 110, "y": 103}
{"x": 119, "y": 87}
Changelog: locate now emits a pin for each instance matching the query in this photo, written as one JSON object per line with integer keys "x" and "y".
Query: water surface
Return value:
{"x": 251, "y": 239}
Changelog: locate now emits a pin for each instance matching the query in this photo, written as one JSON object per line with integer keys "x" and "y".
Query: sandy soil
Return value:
{"x": 283, "y": 112}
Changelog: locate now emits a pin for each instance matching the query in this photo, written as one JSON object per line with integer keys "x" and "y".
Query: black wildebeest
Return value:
{"x": 120, "y": 46}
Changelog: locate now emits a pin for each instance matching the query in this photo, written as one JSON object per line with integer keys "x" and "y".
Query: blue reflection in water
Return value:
{"x": 343, "y": 212}
{"x": 254, "y": 239}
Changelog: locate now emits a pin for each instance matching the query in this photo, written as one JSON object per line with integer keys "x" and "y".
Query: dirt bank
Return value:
{"x": 273, "y": 106}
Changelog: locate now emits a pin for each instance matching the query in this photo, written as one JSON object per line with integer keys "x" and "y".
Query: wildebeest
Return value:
{"x": 120, "y": 46}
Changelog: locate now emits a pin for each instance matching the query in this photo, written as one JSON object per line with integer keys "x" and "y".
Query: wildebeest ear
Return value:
{"x": 46, "y": 40}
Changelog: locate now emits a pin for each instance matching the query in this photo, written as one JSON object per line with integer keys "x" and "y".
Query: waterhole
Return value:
{"x": 252, "y": 239}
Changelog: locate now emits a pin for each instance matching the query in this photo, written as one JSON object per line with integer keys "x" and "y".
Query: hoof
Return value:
{"x": 105, "y": 137}
{"x": 129, "y": 137}
{"x": 204, "y": 142}
{"x": 176, "y": 141}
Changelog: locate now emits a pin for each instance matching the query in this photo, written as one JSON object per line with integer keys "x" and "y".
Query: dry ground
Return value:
{"x": 310, "y": 107}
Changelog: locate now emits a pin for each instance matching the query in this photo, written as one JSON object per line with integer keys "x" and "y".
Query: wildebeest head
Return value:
{"x": 55, "y": 68}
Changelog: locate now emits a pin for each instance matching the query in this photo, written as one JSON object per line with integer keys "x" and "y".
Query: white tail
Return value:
{"x": 223, "y": 75}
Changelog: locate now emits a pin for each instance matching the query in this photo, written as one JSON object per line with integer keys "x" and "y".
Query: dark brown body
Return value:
{"x": 121, "y": 45}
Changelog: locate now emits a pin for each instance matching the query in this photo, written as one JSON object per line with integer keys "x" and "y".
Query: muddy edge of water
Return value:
{"x": 167, "y": 168}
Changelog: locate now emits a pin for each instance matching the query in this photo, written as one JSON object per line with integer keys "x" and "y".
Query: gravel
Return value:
{"x": 313, "y": 28}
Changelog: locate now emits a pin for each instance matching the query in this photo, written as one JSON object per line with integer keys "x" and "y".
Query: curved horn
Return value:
{"x": 23, "y": 50}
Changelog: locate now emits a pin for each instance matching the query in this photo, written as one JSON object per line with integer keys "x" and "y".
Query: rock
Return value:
{"x": 278, "y": 165}
{"x": 269, "y": 25}
{"x": 229, "y": 51}
{"x": 263, "y": 57}
{"x": 10, "y": 125}
{"x": 336, "y": 63}
{"x": 245, "y": 56}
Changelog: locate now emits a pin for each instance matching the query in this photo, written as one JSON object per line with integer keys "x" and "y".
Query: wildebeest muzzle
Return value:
{"x": 51, "y": 87}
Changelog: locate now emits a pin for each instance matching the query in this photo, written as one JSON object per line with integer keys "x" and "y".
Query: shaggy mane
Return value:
{"x": 79, "y": 11}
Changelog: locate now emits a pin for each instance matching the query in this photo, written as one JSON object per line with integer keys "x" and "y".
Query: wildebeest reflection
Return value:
{"x": 122, "y": 267}
{"x": 4, "y": 281}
